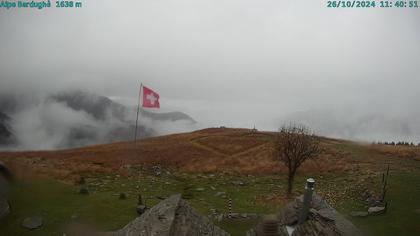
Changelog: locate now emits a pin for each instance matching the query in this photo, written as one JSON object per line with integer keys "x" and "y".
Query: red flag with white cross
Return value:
{"x": 150, "y": 98}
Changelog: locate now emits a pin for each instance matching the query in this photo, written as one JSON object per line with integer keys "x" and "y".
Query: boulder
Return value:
{"x": 376, "y": 210}
{"x": 238, "y": 182}
{"x": 174, "y": 217}
{"x": 32, "y": 222}
{"x": 4, "y": 207}
{"x": 235, "y": 215}
{"x": 359, "y": 213}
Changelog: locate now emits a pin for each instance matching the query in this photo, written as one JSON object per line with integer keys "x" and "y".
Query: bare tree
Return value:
{"x": 294, "y": 145}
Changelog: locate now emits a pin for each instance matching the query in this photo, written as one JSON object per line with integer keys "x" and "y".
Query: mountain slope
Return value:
{"x": 100, "y": 107}
{"x": 6, "y": 135}
{"x": 209, "y": 150}
{"x": 354, "y": 124}
{"x": 167, "y": 116}
{"x": 77, "y": 118}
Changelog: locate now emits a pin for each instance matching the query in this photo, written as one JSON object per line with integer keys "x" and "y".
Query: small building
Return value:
{"x": 172, "y": 216}
{"x": 319, "y": 218}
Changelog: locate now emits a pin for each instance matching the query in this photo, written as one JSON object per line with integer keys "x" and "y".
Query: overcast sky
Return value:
{"x": 224, "y": 62}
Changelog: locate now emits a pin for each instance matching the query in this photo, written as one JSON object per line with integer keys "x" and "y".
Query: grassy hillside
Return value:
{"x": 205, "y": 151}
{"x": 199, "y": 165}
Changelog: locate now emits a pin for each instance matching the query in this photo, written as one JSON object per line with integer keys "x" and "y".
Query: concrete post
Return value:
{"x": 307, "y": 199}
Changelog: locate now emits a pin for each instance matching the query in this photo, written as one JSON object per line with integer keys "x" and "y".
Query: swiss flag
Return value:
{"x": 150, "y": 98}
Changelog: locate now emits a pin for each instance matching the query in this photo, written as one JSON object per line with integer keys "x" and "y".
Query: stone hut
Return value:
{"x": 320, "y": 219}
{"x": 171, "y": 217}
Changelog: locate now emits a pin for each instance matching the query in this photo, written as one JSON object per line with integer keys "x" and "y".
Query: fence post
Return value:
{"x": 230, "y": 208}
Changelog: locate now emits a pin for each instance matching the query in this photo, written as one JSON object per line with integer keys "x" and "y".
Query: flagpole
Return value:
{"x": 138, "y": 109}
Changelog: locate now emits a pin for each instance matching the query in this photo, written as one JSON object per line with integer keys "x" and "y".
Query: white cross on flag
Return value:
{"x": 150, "y": 98}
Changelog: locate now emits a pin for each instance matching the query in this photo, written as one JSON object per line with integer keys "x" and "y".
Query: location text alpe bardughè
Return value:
{"x": 25, "y": 4}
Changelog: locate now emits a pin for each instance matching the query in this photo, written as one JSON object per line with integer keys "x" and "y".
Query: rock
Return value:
{"x": 235, "y": 215}
{"x": 199, "y": 189}
{"x": 4, "y": 207}
{"x": 174, "y": 217}
{"x": 244, "y": 215}
{"x": 359, "y": 213}
{"x": 376, "y": 210}
{"x": 238, "y": 182}
{"x": 157, "y": 170}
{"x": 219, "y": 218}
{"x": 32, "y": 222}
{"x": 141, "y": 209}
{"x": 218, "y": 194}
{"x": 252, "y": 215}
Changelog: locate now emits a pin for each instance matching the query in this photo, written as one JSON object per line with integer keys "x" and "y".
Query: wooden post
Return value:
{"x": 138, "y": 109}
{"x": 385, "y": 185}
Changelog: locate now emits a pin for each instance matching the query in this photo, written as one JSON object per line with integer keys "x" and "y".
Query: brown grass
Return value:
{"x": 209, "y": 150}
{"x": 406, "y": 152}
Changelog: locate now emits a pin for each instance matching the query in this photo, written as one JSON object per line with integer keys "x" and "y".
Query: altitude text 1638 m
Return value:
{"x": 68, "y": 4}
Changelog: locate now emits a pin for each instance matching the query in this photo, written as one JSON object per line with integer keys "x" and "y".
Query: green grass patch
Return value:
{"x": 57, "y": 202}
{"x": 403, "y": 199}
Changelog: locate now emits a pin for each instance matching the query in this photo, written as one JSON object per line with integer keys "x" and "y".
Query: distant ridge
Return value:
{"x": 76, "y": 118}
{"x": 171, "y": 116}
{"x": 6, "y": 136}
